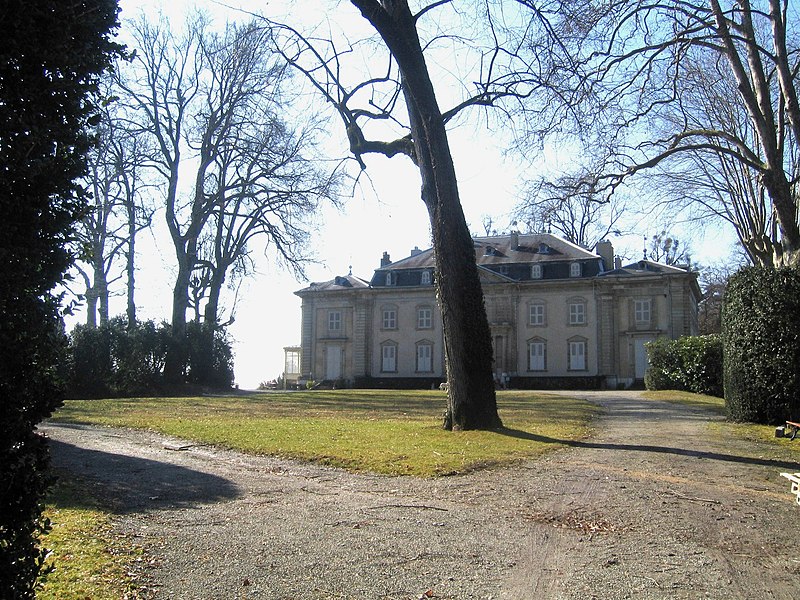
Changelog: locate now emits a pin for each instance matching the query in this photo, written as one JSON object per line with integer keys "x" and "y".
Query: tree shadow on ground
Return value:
{"x": 524, "y": 435}
{"x": 127, "y": 484}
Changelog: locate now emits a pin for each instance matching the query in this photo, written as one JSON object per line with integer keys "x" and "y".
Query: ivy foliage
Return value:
{"x": 690, "y": 363}
{"x": 761, "y": 337}
{"x": 51, "y": 54}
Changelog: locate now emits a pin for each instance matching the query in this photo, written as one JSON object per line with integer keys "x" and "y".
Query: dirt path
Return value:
{"x": 653, "y": 506}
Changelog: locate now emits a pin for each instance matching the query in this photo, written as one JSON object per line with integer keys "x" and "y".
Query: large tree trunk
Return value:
{"x": 175, "y": 362}
{"x": 468, "y": 348}
{"x": 102, "y": 296}
{"x": 91, "y": 307}
{"x": 130, "y": 264}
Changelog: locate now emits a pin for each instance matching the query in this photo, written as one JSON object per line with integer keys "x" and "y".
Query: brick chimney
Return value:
{"x": 514, "y": 239}
{"x": 606, "y": 252}
{"x": 385, "y": 260}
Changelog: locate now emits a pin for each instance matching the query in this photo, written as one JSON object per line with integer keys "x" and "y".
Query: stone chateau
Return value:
{"x": 560, "y": 315}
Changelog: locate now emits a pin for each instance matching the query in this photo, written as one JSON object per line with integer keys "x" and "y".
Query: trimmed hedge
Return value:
{"x": 761, "y": 337}
{"x": 690, "y": 363}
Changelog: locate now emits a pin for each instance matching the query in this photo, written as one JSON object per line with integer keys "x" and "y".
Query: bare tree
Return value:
{"x": 262, "y": 180}
{"x": 396, "y": 110}
{"x": 232, "y": 170}
{"x": 706, "y": 185}
{"x": 572, "y": 206}
{"x": 637, "y": 70}
{"x": 107, "y": 234}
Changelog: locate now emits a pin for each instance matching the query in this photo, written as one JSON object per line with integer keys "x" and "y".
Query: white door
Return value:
{"x": 641, "y": 361}
{"x": 333, "y": 362}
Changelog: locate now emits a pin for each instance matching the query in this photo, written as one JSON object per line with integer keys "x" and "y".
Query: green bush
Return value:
{"x": 138, "y": 355}
{"x": 115, "y": 360}
{"x": 51, "y": 54}
{"x": 90, "y": 370}
{"x": 210, "y": 357}
{"x": 690, "y": 363}
{"x": 761, "y": 337}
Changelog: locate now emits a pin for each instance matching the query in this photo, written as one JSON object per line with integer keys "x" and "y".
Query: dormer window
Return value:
{"x": 575, "y": 269}
{"x": 536, "y": 271}
{"x": 544, "y": 248}
{"x": 389, "y": 278}
{"x": 426, "y": 278}
{"x": 489, "y": 251}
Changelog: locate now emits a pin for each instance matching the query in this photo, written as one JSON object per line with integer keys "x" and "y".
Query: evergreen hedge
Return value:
{"x": 51, "y": 55}
{"x": 690, "y": 363}
{"x": 761, "y": 339}
{"x": 115, "y": 360}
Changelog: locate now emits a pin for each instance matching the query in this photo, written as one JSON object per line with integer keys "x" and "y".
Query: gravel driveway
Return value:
{"x": 655, "y": 505}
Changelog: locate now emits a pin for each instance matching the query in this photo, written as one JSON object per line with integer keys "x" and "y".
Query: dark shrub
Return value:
{"x": 690, "y": 363}
{"x": 137, "y": 354}
{"x": 761, "y": 336}
{"x": 51, "y": 54}
{"x": 90, "y": 369}
{"x": 212, "y": 368}
{"x": 115, "y": 360}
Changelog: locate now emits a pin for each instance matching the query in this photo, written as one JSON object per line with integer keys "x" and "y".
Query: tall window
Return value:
{"x": 389, "y": 318}
{"x": 577, "y": 355}
{"x": 536, "y": 314}
{"x": 389, "y": 278}
{"x": 577, "y": 312}
{"x": 536, "y": 271}
{"x": 292, "y": 362}
{"x": 537, "y": 355}
{"x": 426, "y": 278}
{"x": 424, "y": 357}
{"x": 389, "y": 358}
{"x": 575, "y": 269}
{"x": 424, "y": 317}
{"x": 642, "y": 310}
{"x": 334, "y": 320}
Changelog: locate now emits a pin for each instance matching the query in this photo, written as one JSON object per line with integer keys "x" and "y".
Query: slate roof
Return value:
{"x": 643, "y": 267}
{"x": 337, "y": 283}
{"x": 509, "y": 256}
{"x": 503, "y": 257}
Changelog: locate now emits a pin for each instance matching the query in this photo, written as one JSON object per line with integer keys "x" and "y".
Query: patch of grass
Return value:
{"x": 87, "y": 559}
{"x": 748, "y": 431}
{"x": 389, "y": 432}
{"x": 711, "y": 403}
{"x": 761, "y": 434}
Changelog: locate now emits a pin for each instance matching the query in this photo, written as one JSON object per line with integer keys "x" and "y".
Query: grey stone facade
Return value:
{"x": 560, "y": 316}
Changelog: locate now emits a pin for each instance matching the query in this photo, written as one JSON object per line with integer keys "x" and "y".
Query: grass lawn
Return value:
{"x": 749, "y": 431}
{"x": 88, "y": 560}
{"x": 389, "y": 432}
{"x": 711, "y": 403}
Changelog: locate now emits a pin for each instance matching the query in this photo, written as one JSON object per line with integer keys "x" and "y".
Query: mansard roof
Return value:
{"x": 505, "y": 249}
{"x": 500, "y": 258}
{"x": 507, "y": 256}
{"x": 643, "y": 267}
{"x": 338, "y": 283}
